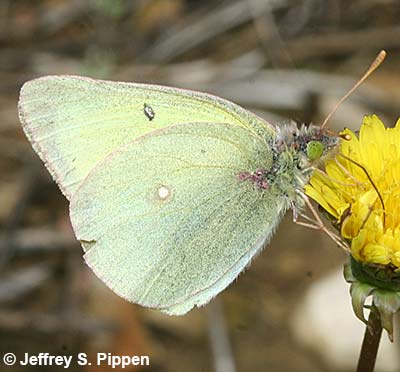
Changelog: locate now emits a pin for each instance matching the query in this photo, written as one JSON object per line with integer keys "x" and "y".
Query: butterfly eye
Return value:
{"x": 315, "y": 149}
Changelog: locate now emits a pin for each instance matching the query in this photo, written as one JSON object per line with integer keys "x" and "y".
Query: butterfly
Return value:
{"x": 172, "y": 192}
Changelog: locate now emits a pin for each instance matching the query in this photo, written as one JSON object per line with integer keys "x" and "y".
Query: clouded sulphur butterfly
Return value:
{"x": 172, "y": 192}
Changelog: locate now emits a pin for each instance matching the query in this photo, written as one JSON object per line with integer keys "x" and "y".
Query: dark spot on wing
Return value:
{"x": 149, "y": 112}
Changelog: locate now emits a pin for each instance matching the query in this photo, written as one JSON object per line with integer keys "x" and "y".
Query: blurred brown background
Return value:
{"x": 281, "y": 59}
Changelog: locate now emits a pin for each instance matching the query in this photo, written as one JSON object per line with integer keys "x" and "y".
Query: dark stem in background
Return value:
{"x": 370, "y": 345}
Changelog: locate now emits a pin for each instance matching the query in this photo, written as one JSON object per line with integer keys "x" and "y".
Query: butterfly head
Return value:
{"x": 308, "y": 144}
{"x": 317, "y": 142}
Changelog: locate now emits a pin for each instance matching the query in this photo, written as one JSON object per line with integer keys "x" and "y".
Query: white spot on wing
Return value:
{"x": 163, "y": 193}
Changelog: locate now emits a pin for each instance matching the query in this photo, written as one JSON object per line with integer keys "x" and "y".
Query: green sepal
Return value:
{"x": 368, "y": 280}
{"x": 348, "y": 274}
{"x": 359, "y": 293}
{"x": 379, "y": 276}
{"x": 387, "y": 303}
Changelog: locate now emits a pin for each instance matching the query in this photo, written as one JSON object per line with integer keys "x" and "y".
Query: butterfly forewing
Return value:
{"x": 74, "y": 122}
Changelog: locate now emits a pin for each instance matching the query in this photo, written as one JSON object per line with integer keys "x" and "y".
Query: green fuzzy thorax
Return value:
{"x": 295, "y": 153}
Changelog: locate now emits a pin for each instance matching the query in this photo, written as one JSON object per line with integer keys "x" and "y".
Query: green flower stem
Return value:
{"x": 370, "y": 345}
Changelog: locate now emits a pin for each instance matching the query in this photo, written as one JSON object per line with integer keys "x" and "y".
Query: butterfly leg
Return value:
{"x": 316, "y": 222}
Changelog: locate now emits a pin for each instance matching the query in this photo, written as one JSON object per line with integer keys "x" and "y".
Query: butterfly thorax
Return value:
{"x": 296, "y": 152}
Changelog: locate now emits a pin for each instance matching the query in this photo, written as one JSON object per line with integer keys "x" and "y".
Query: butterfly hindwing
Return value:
{"x": 165, "y": 220}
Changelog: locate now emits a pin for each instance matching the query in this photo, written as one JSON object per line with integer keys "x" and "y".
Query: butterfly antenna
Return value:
{"x": 374, "y": 65}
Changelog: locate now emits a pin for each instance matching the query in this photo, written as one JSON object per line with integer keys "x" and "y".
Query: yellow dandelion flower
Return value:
{"x": 363, "y": 194}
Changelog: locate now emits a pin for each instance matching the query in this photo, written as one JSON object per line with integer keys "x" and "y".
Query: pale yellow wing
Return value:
{"x": 73, "y": 122}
